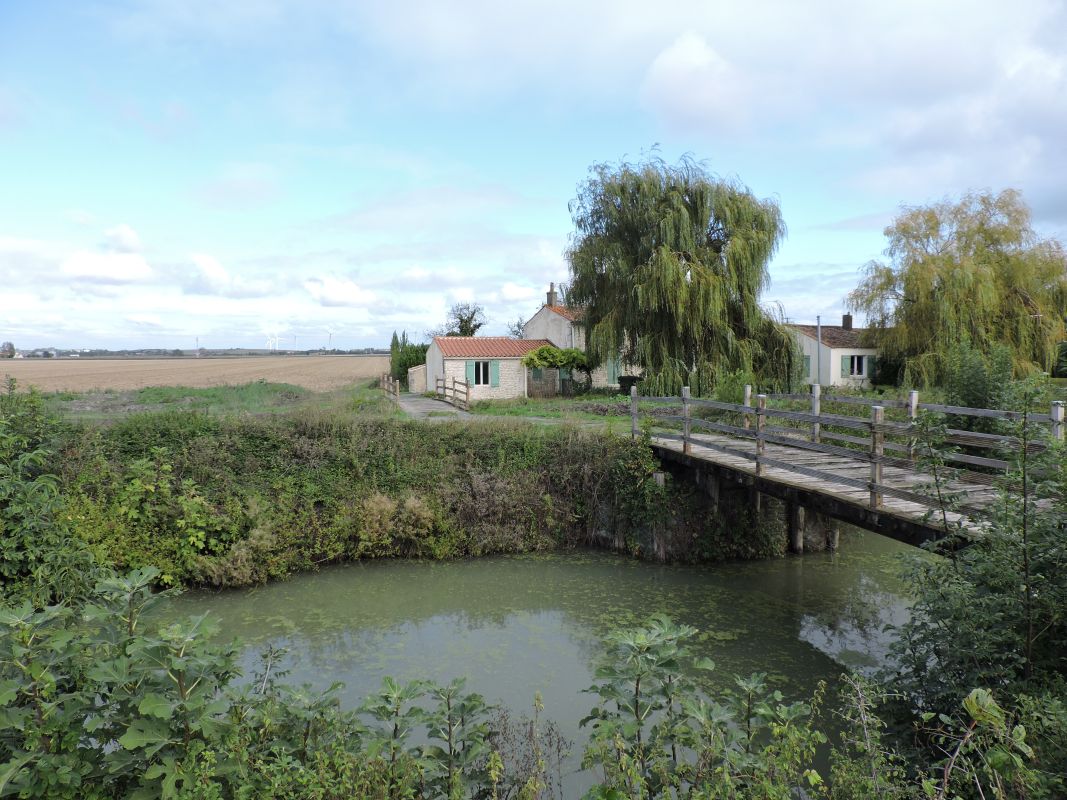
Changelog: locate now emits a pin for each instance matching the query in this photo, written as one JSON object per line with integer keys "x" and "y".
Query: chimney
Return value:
{"x": 846, "y": 322}
{"x": 551, "y": 297}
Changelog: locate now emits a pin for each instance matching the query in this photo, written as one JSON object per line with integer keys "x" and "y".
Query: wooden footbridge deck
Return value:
{"x": 864, "y": 470}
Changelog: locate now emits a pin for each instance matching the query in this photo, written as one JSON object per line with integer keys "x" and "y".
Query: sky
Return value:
{"x": 175, "y": 172}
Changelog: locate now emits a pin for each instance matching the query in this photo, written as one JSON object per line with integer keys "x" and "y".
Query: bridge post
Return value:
{"x": 877, "y": 448}
{"x": 816, "y": 405}
{"x": 745, "y": 421}
{"x": 795, "y": 525}
{"x": 761, "y": 420}
{"x": 633, "y": 412}
{"x": 1057, "y": 420}
{"x": 687, "y": 430}
{"x": 913, "y": 414}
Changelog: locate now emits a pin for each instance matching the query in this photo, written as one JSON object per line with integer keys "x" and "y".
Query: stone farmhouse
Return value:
{"x": 836, "y": 353}
{"x": 562, "y": 327}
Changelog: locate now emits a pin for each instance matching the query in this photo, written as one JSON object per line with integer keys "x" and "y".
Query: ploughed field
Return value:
{"x": 317, "y": 373}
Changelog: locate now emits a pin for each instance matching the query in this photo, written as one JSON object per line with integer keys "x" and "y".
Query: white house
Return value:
{"x": 492, "y": 365}
{"x": 562, "y": 327}
{"x": 836, "y": 353}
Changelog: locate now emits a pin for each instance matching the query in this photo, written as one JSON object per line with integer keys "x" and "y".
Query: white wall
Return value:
{"x": 549, "y": 325}
{"x": 830, "y": 366}
{"x": 417, "y": 379}
{"x": 435, "y": 367}
{"x": 512, "y": 378}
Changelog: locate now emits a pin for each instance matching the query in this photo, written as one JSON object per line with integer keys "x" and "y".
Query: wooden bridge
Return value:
{"x": 863, "y": 470}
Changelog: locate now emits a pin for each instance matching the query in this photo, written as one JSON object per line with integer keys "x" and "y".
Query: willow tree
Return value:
{"x": 973, "y": 271}
{"x": 668, "y": 264}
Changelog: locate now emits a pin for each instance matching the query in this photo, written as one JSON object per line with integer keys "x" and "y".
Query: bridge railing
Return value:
{"x": 873, "y": 441}
{"x": 458, "y": 393}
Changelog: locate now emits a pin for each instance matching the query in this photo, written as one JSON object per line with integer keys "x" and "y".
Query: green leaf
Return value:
{"x": 156, "y": 705}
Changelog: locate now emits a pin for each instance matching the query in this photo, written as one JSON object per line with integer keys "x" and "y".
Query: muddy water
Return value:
{"x": 517, "y": 625}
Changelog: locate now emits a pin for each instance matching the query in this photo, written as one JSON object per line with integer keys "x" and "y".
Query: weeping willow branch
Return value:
{"x": 668, "y": 264}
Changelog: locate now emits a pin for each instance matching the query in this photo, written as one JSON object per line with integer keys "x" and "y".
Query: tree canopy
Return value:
{"x": 464, "y": 319}
{"x": 668, "y": 264}
{"x": 973, "y": 271}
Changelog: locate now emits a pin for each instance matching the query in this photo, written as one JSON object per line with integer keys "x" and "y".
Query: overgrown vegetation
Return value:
{"x": 97, "y": 700}
{"x": 970, "y": 271}
{"x": 235, "y": 500}
{"x": 403, "y": 355}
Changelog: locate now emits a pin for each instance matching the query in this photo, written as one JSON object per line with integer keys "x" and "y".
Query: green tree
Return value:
{"x": 972, "y": 270}
{"x": 464, "y": 319}
{"x": 668, "y": 264}
{"x": 7, "y": 350}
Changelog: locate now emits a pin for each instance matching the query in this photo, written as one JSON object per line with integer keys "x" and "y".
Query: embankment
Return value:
{"x": 235, "y": 501}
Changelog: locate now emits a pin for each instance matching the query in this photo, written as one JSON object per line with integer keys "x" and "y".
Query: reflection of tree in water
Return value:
{"x": 788, "y": 617}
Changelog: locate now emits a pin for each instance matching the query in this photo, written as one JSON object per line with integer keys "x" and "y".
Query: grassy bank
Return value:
{"x": 231, "y": 499}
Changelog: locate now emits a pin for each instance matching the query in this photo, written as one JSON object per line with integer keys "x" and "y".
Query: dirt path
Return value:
{"x": 418, "y": 407}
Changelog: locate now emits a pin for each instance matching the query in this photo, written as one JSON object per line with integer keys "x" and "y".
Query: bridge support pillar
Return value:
{"x": 833, "y": 536}
{"x": 795, "y": 525}
{"x": 713, "y": 488}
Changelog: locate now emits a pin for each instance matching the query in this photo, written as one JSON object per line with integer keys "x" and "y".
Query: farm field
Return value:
{"x": 317, "y": 373}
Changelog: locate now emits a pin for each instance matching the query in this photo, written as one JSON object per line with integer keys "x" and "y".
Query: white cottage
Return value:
{"x": 491, "y": 365}
{"x": 836, "y": 353}
{"x": 562, "y": 327}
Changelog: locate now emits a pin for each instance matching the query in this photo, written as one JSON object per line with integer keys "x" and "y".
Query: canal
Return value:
{"x": 520, "y": 625}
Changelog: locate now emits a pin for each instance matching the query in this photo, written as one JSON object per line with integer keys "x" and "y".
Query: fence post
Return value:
{"x": 746, "y": 423}
{"x": 686, "y": 412}
{"x": 877, "y": 448}
{"x": 1057, "y": 420}
{"x": 761, "y": 410}
{"x": 913, "y": 414}
{"x": 633, "y": 412}
{"x": 816, "y": 410}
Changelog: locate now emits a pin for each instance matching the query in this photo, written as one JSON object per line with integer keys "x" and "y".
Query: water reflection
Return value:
{"x": 518, "y": 625}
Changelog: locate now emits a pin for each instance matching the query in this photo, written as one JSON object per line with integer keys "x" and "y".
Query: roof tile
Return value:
{"x": 486, "y": 346}
{"x": 836, "y": 336}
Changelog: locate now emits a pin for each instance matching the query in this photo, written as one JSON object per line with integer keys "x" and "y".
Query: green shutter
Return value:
{"x": 870, "y": 362}
{"x": 846, "y": 366}
{"x": 613, "y": 371}
{"x": 537, "y": 374}
{"x": 470, "y": 373}
{"x": 807, "y": 366}
{"x": 494, "y": 373}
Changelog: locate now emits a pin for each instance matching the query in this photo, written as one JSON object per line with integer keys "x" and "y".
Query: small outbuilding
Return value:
{"x": 490, "y": 365}
{"x": 837, "y": 353}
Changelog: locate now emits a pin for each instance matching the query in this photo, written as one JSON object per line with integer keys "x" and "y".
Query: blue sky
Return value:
{"x": 233, "y": 169}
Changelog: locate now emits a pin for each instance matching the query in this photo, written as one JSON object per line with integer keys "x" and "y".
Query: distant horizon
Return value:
{"x": 285, "y": 168}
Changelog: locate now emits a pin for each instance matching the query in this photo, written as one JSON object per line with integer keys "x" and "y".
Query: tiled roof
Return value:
{"x": 836, "y": 336}
{"x": 567, "y": 313}
{"x": 486, "y": 346}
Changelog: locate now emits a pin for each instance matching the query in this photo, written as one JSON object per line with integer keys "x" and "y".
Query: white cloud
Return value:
{"x": 122, "y": 239}
{"x": 331, "y": 291}
{"x": 106, "y": 267}
{"x": 690, "y": 83}
{"x": 513, "y": 291}
{"x": 211, "y": 270}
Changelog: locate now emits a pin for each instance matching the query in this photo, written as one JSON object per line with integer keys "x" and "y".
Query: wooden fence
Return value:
{"x": 390, "y": 385}
{"x": 458, "y": 393}
{"x": 873, "y": 440}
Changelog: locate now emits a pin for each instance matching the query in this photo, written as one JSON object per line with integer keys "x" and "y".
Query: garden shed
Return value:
{"x": 491, "y": 365}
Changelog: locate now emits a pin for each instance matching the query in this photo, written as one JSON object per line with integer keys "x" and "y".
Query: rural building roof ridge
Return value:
{"x": 487, "y": 346}
{"x": 836, "y": 336}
